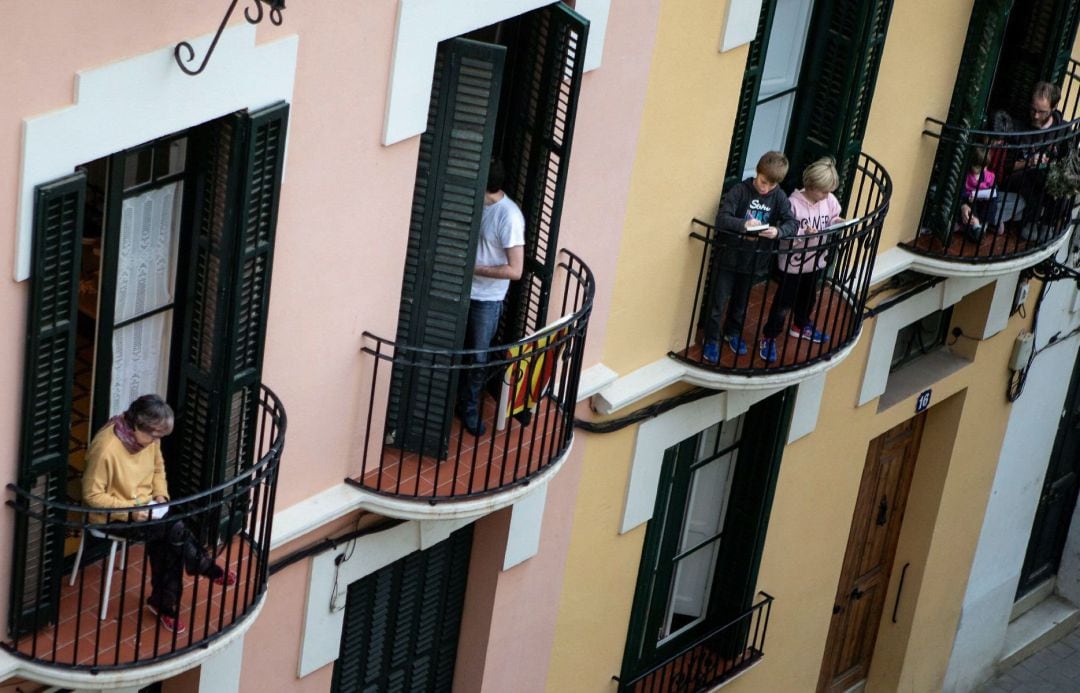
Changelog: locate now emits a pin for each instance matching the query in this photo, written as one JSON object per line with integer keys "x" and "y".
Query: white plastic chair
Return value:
{"x": 114, "y": 542}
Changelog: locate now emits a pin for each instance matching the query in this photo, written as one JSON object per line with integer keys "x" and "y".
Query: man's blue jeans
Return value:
{"x": 479, "y": 331}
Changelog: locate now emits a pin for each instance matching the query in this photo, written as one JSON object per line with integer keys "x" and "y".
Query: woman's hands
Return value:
{"x": 144, "y": 515}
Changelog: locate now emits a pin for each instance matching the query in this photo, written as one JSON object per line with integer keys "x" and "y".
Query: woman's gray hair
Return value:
{"x": 150, "y": 414}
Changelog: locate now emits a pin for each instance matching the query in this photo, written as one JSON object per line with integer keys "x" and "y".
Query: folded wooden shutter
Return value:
{"x": 448, "y": 196}
{"x": 750, "y": 505}
{"x": 978, "y": 63}
{"x": 1040, "y": 37}
{"x": 544, "y": 83}
{"x": 260, "y": 190}
{"x": 748, "y": 96}
{"x": 238, "y": 183}
{"x": 844, "y": 47}
{"x": 216, "y": 149}
{"x": 46, "y": 413}
{"x": 402, "y": 622}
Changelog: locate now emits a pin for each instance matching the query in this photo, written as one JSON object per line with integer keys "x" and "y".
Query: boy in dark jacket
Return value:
{"x": 750, "y": 216}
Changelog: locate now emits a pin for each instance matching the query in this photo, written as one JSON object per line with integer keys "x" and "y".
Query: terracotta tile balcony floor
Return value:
{"x": 81, "y": 639}
{"x": 700, "y": 669}
{"x": 990, "y": 246}
{"x": 473, "y": 465}
{"x": 832, "y": 315}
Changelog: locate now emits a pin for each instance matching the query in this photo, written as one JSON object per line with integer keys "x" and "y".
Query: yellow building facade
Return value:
{"x": 840, "y": 412}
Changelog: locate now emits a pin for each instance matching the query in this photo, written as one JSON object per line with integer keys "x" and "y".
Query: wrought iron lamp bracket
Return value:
{"x": 1050, "y": 270}
{"x": 275, "y": 7}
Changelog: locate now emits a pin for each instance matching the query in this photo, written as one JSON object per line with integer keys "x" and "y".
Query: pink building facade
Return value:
{"x": 281, "y": 245}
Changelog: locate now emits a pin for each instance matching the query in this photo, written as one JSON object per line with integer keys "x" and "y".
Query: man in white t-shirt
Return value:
{"x": 500, "y": 257}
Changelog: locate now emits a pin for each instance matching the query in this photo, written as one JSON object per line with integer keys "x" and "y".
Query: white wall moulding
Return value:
{"x": 888, "y": 323}
{"x": 740, "y": 23}
{"x": 526, "y": 524}
{"x": 807, "y": 406}
{"x": 672, "y": 427}
{"x": 221, "y": 673}
{"x": 126, "y": 103}
{"x": 666, "y": 371}
{"x": 422, "y": 24}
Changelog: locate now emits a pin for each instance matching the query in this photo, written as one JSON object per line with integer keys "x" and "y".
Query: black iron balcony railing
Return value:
{"x": 416, "y": 448}
{"x": 711, "y": 659}
{"x": 98, "y": 620}
{"x": 989, "y": 199}
{"x": 818, "y": 282}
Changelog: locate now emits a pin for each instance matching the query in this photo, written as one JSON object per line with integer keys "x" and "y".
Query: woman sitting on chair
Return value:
{"x": 124, "y": 468}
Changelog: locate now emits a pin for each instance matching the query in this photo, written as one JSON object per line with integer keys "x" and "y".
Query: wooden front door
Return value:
{"x": 864, "y": 578}
{"x": 1058, "y": 498}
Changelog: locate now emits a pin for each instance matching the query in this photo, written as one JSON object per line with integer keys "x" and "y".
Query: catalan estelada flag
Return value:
{"x": 529, "y": 376}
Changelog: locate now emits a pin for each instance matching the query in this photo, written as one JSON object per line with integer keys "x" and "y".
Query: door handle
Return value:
{"x": 882, "y": 512}
{"x": 857, "y": 593}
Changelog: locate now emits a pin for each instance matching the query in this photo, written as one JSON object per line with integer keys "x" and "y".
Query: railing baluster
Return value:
{"x": 839, "y": 303}
{"x": 248, "y": 540}
{"x": 525, "y": 452}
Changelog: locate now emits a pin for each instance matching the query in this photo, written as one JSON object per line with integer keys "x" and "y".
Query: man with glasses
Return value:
{"x": 1028, "y": 179}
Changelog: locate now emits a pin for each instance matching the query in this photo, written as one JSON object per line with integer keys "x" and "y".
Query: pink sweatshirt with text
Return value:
{"x": 812, "y": 217}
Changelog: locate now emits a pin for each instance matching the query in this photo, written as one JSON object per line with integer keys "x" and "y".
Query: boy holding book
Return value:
{"x": 750, "y": 215}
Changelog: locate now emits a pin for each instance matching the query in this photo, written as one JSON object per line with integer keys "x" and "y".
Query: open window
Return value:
{"x": 1009, "y": 46}
{"x": 703, "y": 545}
{"x": 151, "y": 273}
{"x": 808, "y": 84}
{"x": 507, "y": 91}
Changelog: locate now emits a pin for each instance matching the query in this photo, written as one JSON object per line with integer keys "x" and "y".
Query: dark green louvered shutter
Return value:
{"x": 451, "y": 173}
{"x": 748, "y": 96}
{"x": 260, "y": 191}
{"x": 228, "y": 288}
{"x": 750, "y": 504}
{"x": 539, "y": 127}
{"x": 1040, "y": 37}
{"x": 402, "y": 622}
{"x": 216, "y": 148}
{"x": 978, "y": 62}
{"x": 844, "y": 47}
{"x": 46, "y": 413}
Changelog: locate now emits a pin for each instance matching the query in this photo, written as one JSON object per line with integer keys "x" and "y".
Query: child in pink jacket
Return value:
{"x": 816, "y": 209}
{"x": 979, "y": 204}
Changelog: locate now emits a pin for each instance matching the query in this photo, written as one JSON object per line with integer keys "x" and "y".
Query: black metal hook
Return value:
{"x": 185, "y": 47}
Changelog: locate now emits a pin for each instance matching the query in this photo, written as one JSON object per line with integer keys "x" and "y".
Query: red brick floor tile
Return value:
{"x": 81, "y": 638}
{"x": 473, "y": 464}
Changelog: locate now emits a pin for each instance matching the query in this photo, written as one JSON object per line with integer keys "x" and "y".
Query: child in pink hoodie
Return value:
{"x": 803, "y": 267}
{"x": 979, "y": 202}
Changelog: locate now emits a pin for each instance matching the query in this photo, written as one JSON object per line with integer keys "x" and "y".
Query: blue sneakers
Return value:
{"x": 737, "y": 344}
{"x": 711, "y": 352}
{"x": 808, "y": 332}
{"x": 767, "y": 349}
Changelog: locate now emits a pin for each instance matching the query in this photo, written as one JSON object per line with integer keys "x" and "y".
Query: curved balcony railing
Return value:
{"x": 992, "y": 196}
{"x": 98, "y": 620}
{"x": 824, "y": 276}
{"x": 416, "y": 448}
{"x": 718, "y": 656}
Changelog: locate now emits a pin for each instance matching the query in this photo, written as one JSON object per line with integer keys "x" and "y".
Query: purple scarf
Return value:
{"x": 125, "y": 433}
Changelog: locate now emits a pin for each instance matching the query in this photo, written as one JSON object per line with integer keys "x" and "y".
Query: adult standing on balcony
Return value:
{"x": 125, "y": 469}
{"x": 1030, "y": 168}
{"x": 500, "y": 258}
